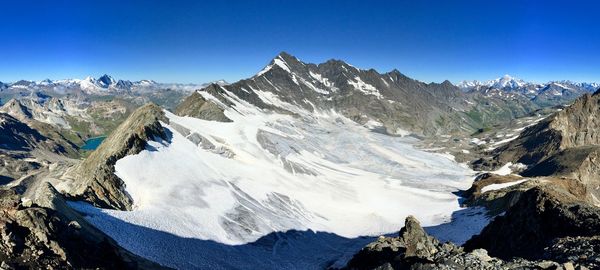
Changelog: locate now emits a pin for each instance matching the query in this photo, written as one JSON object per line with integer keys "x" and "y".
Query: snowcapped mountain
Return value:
{"x": 103, "y": 85}
{"x": 540, "y": 94}
{"x": 509, "y": 83}
{"x": 505, "y": 81}
{"x": 389, "y": 98}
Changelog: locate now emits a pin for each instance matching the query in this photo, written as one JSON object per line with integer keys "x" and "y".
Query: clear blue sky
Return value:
{"x": 199, "y": 41}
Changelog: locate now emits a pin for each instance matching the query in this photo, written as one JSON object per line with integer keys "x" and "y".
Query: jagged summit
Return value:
{"x": 286, "y": 56}
{"x": 106, "y": 81}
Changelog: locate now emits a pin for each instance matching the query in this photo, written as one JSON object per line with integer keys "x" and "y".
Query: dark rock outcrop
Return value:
{"x": 198, "y": 107}
{"x": 26, "y": 136}
{"x": 414, "y": 249}
{"x": 542, "y": 215}
{"x": 94, "y": 178}
{"x": 42, "y": 232}
{"x": 581, "y": 249}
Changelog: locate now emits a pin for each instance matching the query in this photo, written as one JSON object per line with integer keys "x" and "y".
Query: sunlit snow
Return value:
{"x": 501, "y": 186}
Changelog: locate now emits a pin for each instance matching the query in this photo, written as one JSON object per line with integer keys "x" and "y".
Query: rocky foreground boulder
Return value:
{"x": 39, "y": 231}
{"x": 542, "y": 216}
{"x": 94, "y": 179}
{"x": 414, "y": 249}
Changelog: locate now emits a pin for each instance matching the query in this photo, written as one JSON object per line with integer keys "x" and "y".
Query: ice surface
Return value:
{"x": 311, "y": 172}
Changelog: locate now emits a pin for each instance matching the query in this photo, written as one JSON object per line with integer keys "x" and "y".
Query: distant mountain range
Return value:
{"x": 105, "y": 84}
{"x": 510, "y": 85}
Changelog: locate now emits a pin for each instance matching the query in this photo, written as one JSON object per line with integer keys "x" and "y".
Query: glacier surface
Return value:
{"x": 275, "y": 190}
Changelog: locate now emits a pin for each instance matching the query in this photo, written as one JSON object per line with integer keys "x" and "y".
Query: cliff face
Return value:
{"x": 94, "y": 178}
{"x": 578, "y": 163}
{"x": 565, "y": 144}
{"x": 577, "y": 125}
{"x": 16, "y": 135}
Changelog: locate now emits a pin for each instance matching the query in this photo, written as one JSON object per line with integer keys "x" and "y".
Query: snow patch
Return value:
{"x": 501, "y": 186}
{"x": 364, "y": 87}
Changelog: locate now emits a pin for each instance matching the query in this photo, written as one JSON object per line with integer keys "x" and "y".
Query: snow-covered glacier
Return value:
{"x": 223, "y": 195}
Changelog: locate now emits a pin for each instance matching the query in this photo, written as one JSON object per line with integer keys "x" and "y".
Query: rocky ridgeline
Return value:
{"x": 95, "y": 180}
{"x": 39, "y": 231}
{"x": 543, "y": 215}
{"x": 414, "y": 249}
{"x": 575, "y": 126}
{"x": 17, "y": 135}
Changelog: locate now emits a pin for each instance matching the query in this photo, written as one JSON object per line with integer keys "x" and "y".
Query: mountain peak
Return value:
{"x": 283, "y": 60}
{"x": 106, "y": 80}
{"x": 447, "y": 83}
{"x": 284, "y": 55}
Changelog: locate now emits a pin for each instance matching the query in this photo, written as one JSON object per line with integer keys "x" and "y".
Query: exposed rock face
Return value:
{"x": 416, "y": 241}
{"x": 496, "y": 201}
{"x": 541, "y": 215}
{"x": 197, "y": 106}
{"x": 94, "y": 178}
{"x": 412, "y": 243}
{"x": 566, "y": 144}
{"x": 16, "y": 135}
{"x": 575, "y": 126}
{"x": 42, "y": 232}
{"x": 580, "y": 163}
{"x": 26, "y": 136}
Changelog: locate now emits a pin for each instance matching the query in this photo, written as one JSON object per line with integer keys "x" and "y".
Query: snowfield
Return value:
{"x": 215, "y": 193}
